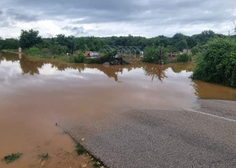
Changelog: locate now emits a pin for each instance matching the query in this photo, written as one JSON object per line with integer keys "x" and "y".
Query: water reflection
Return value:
{"x": 31, "y": 66}
{"x": 175, "y": 76}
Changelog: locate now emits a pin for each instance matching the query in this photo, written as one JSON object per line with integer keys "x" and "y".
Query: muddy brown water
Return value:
{"x": 36, "y": 94}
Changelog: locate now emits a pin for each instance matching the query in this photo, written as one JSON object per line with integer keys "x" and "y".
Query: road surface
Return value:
{"x": 186, "y": 138}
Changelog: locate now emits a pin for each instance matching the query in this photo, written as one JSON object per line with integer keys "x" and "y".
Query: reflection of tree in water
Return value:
{"x": 111, "y": 71}
{"x": 30, "y": 67}
{"x": 155, "y": 71}
{"x": 179, "y": 67}
{"x": 1, "y": 59}
{"x": 8, "y": 57}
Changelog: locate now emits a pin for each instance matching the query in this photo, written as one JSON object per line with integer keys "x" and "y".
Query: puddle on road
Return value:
{"x": 36, "y": 94}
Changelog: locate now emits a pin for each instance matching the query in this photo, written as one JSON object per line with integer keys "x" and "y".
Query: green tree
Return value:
{"x": 191, "y": 41}
{"x": 65, "y": 41}
{"x": 9, "y": 43}
{"x": 218, "y": 63}
{"x": 152, "y": 54}
{"x": 29, "y": 38}
{"x": 195, "y": 50}
{"x": 182, "y": 45}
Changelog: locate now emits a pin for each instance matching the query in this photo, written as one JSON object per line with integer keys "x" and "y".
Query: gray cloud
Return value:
{"x": 137, "y": 13}
{"x": 75, "y": 30}
{"x": 16, "y": 16}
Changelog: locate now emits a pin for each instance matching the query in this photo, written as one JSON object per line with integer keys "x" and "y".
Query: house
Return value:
{"x": 188, "y": 51}
{"x": 91, "y": 54}
{"x": 87, "y": 53}
{"x": 172, "y": 55}
{"x": 94, "y": 54}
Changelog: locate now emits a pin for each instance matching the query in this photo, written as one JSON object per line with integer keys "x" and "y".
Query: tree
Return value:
{"x": 191, "y": 42}
{"x": 9, "y": 43}
{"x": 205, "y": 36}
{"x": 182, "y": 45}
{"x": 1, "y": 43}
{"x": 152, "y": 54}
{"x": 195, "y": 50}
{"x": 29, "y": 38}
{"x": 66, "y": 41}
{"x": 218, "y": 63}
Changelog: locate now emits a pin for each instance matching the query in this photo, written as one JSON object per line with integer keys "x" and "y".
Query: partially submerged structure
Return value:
{"x": 91, "y": 54}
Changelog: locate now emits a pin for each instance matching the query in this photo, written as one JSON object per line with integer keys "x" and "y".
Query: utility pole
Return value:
{"x": 160, "y": 61}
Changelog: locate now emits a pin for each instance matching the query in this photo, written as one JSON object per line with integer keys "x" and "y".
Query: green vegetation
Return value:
{"x": 184, "y": 57}
{"x": 11, "y": 158}
{"x": 29, "y": 38}
{"x": 217, "y": 64}
{"x": 80, "y": 150}
{"x": 44, "y": 156}
{"x": 96, "y": 164}
{"x": 151, "y": 54}
{"x": 58, "y": 46}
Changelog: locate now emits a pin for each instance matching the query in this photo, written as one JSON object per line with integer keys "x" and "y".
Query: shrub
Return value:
{"x": 218, "y": 63}
{"x": 58, "y": 49}
{"x": 34, "y": 51}
{"x": 195, "y": 50}
{"x": 183, "y": 57}
{"x": 78, "y": 59}
{"x": 151, "y": 54}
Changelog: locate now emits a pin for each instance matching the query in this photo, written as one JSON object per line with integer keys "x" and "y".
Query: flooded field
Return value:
{"x": 37, "y": 94}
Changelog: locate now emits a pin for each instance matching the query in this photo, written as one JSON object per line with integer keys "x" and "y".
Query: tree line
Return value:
{"x": 61, "y": 44}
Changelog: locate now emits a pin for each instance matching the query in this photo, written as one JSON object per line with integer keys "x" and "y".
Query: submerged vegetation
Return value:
{"x": 80, "y": 150}
{"x": 44, "y": 156}
{"x": 12, "y": 157}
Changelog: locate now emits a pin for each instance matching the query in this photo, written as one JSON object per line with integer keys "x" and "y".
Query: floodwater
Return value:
{"x": 36, "y": 94}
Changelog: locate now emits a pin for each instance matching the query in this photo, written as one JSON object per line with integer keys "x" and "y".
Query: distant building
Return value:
{"x": 187, "y": 51}
{"x": 172, "y": 55}
{"x": 86, "y": 53}
{"x": 94, "y": 54}
{"x": 91, "y": 54}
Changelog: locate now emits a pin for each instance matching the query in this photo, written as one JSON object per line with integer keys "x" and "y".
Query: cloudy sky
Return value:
{"x": 116, "y": 17}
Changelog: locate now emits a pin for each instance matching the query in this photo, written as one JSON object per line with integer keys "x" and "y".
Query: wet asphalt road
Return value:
{"x": 199, "y": 138}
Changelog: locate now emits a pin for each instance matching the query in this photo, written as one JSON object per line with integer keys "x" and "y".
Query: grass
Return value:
{"x": 11, "y": 158}
{"x": 80, "y": 150}
{"x": 96, "y": 164}
{"x": 44, "y": 156}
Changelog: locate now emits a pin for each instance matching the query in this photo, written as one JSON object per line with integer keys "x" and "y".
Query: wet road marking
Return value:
{"x": 211, "y": 115}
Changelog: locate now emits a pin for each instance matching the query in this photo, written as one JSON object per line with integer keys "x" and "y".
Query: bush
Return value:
{"x": 78, "y": 59}
{"x": 183, "y": 57}
{"x": 151, "y": 54}
{"x": 218, "y": 63}
{"x": 34, "y": 51}
{"x": 195, "y": 50}
{"x": 58, "y": 49}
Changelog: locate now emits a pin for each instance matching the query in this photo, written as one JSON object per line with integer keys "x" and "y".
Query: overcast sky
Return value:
{"x": 148, "y": 18}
